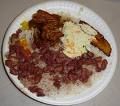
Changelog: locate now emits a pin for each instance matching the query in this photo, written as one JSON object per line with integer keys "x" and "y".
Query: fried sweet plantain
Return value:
{"x": 101, "y": 43}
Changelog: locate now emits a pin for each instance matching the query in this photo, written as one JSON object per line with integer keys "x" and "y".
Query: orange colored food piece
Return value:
{"x": 101, "y": 43}
{"x": 24, "y": 48}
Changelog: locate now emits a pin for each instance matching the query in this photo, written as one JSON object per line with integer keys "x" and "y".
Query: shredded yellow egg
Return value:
{"x": 24, "y": 25}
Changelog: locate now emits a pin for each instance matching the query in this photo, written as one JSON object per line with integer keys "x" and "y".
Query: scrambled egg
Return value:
{"x": 77, "y": 38}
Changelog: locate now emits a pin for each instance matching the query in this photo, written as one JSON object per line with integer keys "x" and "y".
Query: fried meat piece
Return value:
{"x": 46, "y": 18}
{"x": 48, "y": 24}
{"x": 51, "y": 33}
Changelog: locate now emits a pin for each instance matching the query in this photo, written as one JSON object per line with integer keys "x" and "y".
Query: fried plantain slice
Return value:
{"x": 101, "y": 43}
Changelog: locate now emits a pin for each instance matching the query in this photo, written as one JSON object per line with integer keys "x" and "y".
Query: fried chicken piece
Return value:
{"x": 101, "y": 43}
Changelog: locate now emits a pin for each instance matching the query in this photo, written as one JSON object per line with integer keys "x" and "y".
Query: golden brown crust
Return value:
{"x": 101, "y": 43}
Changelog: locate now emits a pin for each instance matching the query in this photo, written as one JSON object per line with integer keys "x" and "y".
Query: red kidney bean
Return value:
{"x": 90, "y": 54}
{"x": 57, "y": 84}
{"x": 85, "y": 74}
{"x": 40, "y": 92}
{"x": 57, "y": 81}
{"x": 104, "y": 64}
{"x": 37, "y": 90}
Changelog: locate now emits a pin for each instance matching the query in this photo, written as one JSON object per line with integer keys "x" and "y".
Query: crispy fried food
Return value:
{"x": 47, "y": 24}
{"x": 101, "y": 43}
{"x": 43, "y": 17}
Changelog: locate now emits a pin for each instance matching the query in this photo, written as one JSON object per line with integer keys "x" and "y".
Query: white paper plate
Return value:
{"x": 80, "y": 12}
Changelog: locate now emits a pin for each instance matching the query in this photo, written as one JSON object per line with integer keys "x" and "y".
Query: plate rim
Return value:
{"x": 2, "y": 54}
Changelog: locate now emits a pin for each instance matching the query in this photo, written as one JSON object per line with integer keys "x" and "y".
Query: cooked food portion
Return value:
{"x": 47, "y": 24}
{"x": 43, "y": 17}
{"x": 49, "y": 55}
{"x": 101, "y": 43}
{"x": 76, "y": 40}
